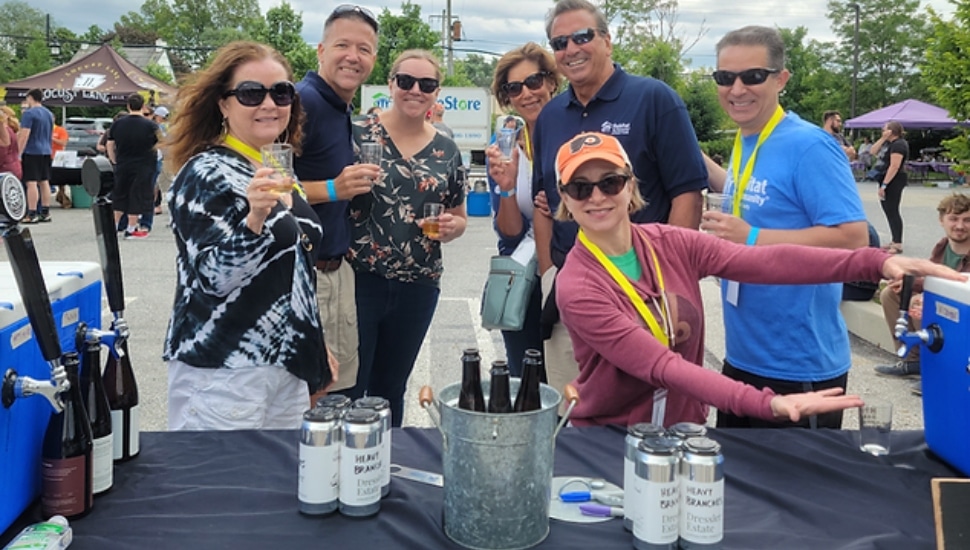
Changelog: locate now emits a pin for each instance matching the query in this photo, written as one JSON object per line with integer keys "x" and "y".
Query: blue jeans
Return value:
{"x": 392, "y": 320}
{"x": 529, "y": 337}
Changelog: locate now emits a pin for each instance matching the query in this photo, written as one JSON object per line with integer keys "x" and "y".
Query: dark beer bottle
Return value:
{"x": 119, "y": 382}
{"x": 99, "y": 413}
{"x": 499, "y": 399}
{"x": 528, "y": 398}
{"x": 471, "y": 397}
{"x": 66, "y": 465}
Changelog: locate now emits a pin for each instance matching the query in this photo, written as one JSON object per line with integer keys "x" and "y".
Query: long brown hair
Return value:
{"x": 198, "y": 123}
{"x": 530, "y": 51}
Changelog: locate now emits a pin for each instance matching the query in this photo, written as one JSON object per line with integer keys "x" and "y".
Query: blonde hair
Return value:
{"x": 12, "y": 121}
{"x": 416, "y": 54}
{"x": 198, "y": 123}
{"x": 637, "y": 201}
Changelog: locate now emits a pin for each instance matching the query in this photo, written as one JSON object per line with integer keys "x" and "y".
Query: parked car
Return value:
{"x": 83, "y": 134}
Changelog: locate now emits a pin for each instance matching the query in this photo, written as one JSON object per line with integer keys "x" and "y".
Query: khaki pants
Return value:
{"x": 338, "y": 313}
{"x": 561, "y": 365}
{"x": 890, "y": 310}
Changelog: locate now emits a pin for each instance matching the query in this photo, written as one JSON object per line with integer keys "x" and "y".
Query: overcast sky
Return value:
{"x": 499, "y": 25}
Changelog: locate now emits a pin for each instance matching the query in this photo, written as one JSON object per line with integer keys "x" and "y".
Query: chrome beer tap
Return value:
{"x": 931, "y": 336}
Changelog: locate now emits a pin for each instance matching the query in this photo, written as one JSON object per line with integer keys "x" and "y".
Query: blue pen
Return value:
{"x": 610, "y": 499}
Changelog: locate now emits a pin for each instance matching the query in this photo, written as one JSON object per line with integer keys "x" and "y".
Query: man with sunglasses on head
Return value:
{"x": 644, "y": 114}
{"x": 789, "y": 183}
{"x": 326, "y": 168}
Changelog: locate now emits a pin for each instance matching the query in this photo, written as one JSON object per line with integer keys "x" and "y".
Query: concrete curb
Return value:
{"x": 865, "y": 320}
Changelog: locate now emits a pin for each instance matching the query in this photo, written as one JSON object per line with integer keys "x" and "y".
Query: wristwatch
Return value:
{"x": 505, "y": 194}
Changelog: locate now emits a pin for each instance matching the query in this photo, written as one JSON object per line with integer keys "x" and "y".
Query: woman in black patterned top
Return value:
{"x": 398, "y": 268}
{"x": 245, "y": 345}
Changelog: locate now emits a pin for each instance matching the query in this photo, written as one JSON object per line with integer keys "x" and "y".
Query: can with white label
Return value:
{"x": 320, "y": 438}
{"x": 634, "y": 435}
{"x": 656, "y": 493}
{"x": 360, "y": 463}
{"x": 383, "y": 408}
{"x": 701, "y": 494}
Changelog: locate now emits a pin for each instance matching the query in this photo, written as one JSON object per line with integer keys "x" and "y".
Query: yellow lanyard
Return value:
{"x": 256, "y": 157}
{"x": 528, "y": 143}
{"x": 665, "y": 334}
{"x": 741, "y": 183}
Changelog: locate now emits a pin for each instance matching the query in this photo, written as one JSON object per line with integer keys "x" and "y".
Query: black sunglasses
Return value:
{"x": 533, "y": 82}
{"x": 750, "y": 77}
{"x": 343, "y": 10}
{"x": 579, "y": 38}
{"x": 582, "y": 190}
{"x": 406, "y": 82}
{"x": 252, "y": 94}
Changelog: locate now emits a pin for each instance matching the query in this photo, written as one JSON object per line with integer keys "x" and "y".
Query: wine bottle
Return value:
{"x": 66, "y": 465}
{"x": 99, "y": 412}
{"x": 528, "y": 398}
{"x": 119, "y": 383}
{"x": 499, "y": 400}
{"x": 471, "y": 397}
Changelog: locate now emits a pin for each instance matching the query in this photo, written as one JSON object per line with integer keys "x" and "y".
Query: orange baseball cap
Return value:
{"x": 584, "y": 148}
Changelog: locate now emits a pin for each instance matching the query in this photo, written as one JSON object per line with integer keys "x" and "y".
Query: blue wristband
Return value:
{"x": 331, "y": 191}
{"x": 753, "y": 236}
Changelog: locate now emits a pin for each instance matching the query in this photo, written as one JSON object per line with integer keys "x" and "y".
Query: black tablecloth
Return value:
{"x": 787, "y": 489}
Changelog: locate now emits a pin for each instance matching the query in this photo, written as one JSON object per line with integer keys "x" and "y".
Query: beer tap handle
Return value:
{"x": 906, "y": 294}
{"x": 30, "y": 280}
{"x": 902, "y": 322}
{"x": 106, "y": 233}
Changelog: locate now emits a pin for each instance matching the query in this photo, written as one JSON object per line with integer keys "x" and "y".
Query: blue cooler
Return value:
{"x": 946, "y": 374}
{"x": 75, "y": 293}
{"x": 478, "y": 204}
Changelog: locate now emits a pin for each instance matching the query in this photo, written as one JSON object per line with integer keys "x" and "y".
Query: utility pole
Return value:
{"x": 855, "y": 60}
{"x": 451, "y": 52}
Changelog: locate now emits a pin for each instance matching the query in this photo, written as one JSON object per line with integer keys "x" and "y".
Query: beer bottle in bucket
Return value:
{"x": 528, "y": 397}
{"x": 471, "y": 397}
{"x": 499, "y": 398}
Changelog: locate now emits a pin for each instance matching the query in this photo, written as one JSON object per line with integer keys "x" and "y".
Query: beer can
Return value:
{"x": 335, "y": 401}
{"x": 634, "y": 435}
{"x": 701, "y": 494}
{"x": 383, "y": 408}
{"x": 319, "y": 475}
{"x": 656, "y": 494}
{"x": 360, "y": 463}
{"x": 686, "y": 430}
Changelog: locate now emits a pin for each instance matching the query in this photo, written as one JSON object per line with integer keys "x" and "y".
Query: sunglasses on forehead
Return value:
{"x": 406, "y": 82}
{"x": 344, "y": 10}
{"x": 579, "y": 38}
{"x": 581, "y": 190}
{"x": 252, "y": 94}
{"x": 750, "y": 77}
{"x": 532, "y": 82}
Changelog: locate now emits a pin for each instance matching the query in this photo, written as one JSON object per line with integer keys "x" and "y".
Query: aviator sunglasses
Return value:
{"x": 252, "y": 94}
{"x": 406, "y": 82}
{"x": 582, "y": 190}
{"x": 532, "y": 82}
{"x": 579, "y": 38}
{"x": 750, "y": 77}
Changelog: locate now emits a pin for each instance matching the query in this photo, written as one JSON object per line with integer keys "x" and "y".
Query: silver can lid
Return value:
{"x": 685, "y": 430}
{"x": 702, "y": 446}
{"x": 321, "y": 414}
{"x": 373, "y": 403}
{"x": 361, "y": 416}
{"x": 336, "y": 401}
{"x": 659, "y": 445}
{"x": 641, "y": 430}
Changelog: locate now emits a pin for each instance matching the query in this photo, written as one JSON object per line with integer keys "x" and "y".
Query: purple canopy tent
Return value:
{"x": 912, "y": 114}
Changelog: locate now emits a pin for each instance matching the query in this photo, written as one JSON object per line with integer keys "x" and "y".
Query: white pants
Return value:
{"x": 234, "y": 399}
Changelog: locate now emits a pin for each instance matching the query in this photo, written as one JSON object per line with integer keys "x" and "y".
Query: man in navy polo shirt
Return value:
{"x": 327, "y": 171}
{"x": 644, "y": 114}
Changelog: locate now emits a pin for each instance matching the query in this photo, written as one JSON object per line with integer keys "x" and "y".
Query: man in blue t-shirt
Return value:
{"x": 644, "y": 114}
{"x": 34, "y": 140}
{"x": 326, "y": 168}
{"x": 796, "y": 187}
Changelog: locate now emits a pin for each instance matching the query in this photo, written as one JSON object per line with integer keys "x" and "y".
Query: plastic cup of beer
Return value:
{"x": 431, "y": 212}
{"x": 371, "y": 153}
{"x": 875, "y": 426}
{"x": 279, "y": 157}
{"x": 505, "y": 141}
{"x": 718, "y": 202}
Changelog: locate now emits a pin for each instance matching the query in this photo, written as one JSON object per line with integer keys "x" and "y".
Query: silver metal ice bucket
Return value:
{"x": 497, "y": 468}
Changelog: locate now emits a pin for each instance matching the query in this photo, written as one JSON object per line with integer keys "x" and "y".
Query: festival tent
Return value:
{"x": 101, "y": 78}
{"x": 912, "y": 114}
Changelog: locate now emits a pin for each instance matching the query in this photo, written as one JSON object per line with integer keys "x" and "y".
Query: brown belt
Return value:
{"x": 326, "y": 266}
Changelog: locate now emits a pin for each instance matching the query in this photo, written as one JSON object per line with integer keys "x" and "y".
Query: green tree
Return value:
{"x": 946, "y": 72}
{"x": 282, "y": 30}
{"x": 892, "y": 36}
{"x": 700, "y": 96}
{"x": 478, "y": 69}
{"x": 814, "y": 86}
{"x": 399, "y": 33}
